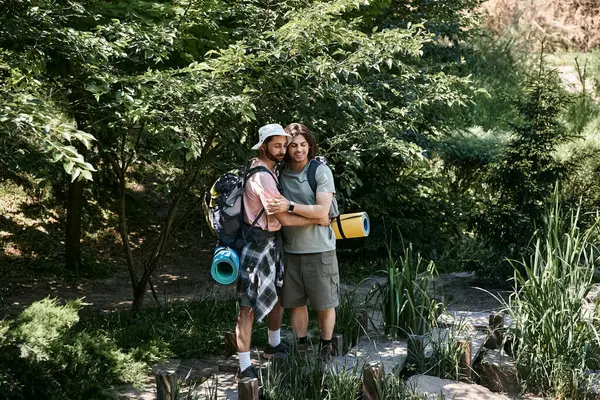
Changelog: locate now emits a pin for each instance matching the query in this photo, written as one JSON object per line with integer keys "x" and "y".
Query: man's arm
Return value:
{"x": 288, "y": 219}
{"x": 319, "y": 210}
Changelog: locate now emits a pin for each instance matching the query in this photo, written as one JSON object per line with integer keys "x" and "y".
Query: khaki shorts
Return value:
{"x": 313, "y": 276}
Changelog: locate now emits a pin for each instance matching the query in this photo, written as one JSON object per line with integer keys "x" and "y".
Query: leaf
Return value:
{"x": 75, "y": 174}
{"x": 68, "y": 166}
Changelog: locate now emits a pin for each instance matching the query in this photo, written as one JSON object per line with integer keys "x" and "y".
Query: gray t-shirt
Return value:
{"x": 310, "y": 238}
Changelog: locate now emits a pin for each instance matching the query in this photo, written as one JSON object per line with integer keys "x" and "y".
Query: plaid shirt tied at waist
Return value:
{"x": 261, "y": 273}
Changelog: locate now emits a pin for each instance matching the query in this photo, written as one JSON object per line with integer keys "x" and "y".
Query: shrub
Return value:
{"x": 185, "y": 330}
{"x": 44, "y": 358}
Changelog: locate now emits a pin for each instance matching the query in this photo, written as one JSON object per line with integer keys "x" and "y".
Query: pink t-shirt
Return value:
{"x": 260, "y": 188}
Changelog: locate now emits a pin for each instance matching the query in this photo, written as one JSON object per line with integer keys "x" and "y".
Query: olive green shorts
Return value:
{"x": 313, "y": 276}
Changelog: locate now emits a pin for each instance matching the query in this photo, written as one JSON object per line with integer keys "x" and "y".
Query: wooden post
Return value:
{"x": 248, "y": 389}
{"x": 439, "y": 306}
{"x": 363, "y": 320}
{"x": 338, "y": 344}
{"x": 415, "y": 349}
{"x": 279, "y": 363}
{"x": 495, "y": 330}
{"x": 372, "y": 376}
{"x": 166, "y": 379}
{"x": 230, "y": 344}
{"x": 464, "y": 365}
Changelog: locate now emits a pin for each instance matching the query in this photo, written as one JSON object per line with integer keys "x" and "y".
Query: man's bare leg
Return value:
{"x": 275, "y": 317}
{"x": 326, "y": 323}
{"x": 274, "y": 325}
{"x": 299, "y": 316}
{"x": 243, "y": 334}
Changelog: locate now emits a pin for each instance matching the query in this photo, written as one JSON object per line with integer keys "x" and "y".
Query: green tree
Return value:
{"x": 172, "y": 90}
{"x": 523, "y": 179}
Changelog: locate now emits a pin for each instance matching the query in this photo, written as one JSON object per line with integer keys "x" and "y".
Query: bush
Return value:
{"x": 44, "y": 358}
{"x": 185, "y": 330}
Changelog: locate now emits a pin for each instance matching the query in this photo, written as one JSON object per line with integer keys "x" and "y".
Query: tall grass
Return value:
{"x": 302, "y": 378}
{"x": 406, "y": 298}
{"x": 555, "y": 341}
{"x": 348, "y": 319}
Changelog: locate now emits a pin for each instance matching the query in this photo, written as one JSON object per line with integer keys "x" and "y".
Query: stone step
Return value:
{"x": 468, "y": 320}
{"x": 221, "y": 386}
{"x": 432, "y": 387}
{"x": 392, "y": 354}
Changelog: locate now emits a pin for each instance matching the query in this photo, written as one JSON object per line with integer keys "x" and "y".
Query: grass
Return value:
{"x": 184, "y": 330}
{"x": 302, "y": 378}
{"x": 406, "y": 298}
{"x": 555, "y": 340}
{"x": 348, "y": 319}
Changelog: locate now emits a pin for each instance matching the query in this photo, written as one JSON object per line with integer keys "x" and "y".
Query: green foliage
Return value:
{"x": 447, "y": 353}
{"x": 405, "y": 298}
{"x": 521, "y": 181}
{"x": 499, "y": 67}
{"x": 584, "y": 108}
{"x": 183, "y": 330}
{"x": 555, "y": 339}
{"x": 304, "y": 379}
{"x": 348, "y": 319}
{"x": 44, "y": 357}
{"x": 582, "y": 186}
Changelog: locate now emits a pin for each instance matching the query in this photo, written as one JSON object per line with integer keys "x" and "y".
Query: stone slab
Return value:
{"x": 391, "y": 353}
{"x": 432, "y": 387}
{"x": 439, "y": 335}
{"x": 221, "y": 386}
{"x": 468, "y": 320}
{"x": 232, "y": 363}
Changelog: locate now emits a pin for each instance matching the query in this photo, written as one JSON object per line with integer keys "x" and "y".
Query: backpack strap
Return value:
{"x": 311, "y": 174}
{"x": 249, "y": 173}
{"x": 340, "y": 229}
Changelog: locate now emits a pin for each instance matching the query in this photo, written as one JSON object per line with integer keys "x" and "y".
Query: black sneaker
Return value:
{"x": 326, "y": 355}
{"x": 249, "y": 372}
{"x": 282, "y": 347}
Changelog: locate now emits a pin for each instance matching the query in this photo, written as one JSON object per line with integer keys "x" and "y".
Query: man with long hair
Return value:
{"x": 310, "y": 258}
{"x": 261, "y": 263}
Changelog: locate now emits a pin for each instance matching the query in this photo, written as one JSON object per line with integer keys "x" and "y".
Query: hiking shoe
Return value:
{"x": 249, "y": 372}
{"x": 327, "y": 352}
{"x": 282, "y": 347}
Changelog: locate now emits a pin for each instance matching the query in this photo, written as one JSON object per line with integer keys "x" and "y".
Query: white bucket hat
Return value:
{"x": 269, "y": 130}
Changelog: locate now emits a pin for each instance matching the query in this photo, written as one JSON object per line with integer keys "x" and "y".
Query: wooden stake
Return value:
{"x": 415, "y": 349}
{"x": 338, "y": 344}
{"x": 495, "y": 330}
{"x": 372, "y": 376}
{"x": 230, "y": 344}
{"x": 248, "y": 389}
{"x": 464, "y": 365}
{"x": 166, "y": 379}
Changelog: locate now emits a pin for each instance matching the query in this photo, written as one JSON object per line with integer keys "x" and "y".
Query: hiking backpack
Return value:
{"x": 312, "y": 181}
{"x": 224, "y": 206}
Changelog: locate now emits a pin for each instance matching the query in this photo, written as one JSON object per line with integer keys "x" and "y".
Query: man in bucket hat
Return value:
{"x": 261, "y": 261}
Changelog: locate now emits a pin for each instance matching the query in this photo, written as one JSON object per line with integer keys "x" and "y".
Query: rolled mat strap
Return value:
{"x": 354, "y": 225}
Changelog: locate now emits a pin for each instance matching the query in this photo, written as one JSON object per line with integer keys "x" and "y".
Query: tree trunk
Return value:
{"x": 75, "y": 202}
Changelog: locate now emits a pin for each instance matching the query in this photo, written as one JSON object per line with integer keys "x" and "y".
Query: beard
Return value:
{"x": 277, "y": 158}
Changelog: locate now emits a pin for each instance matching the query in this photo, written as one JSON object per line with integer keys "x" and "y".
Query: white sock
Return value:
{"x": 274, "y": 337}
{"x": 244, "y": 360}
